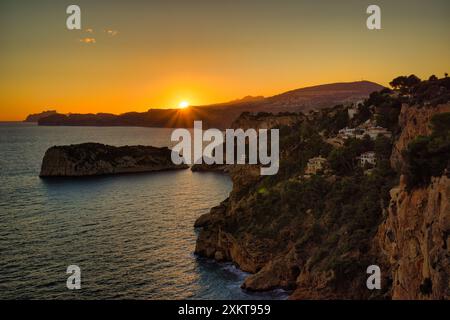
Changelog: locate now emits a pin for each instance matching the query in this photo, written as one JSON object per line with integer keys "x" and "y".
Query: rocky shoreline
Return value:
{"x": 94, "y": 159}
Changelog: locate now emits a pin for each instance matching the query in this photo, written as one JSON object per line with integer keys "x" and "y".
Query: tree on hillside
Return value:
{"x": 398, "y": 82}
{"x": 404, "y": 83}
{"x": 412, "y": 80}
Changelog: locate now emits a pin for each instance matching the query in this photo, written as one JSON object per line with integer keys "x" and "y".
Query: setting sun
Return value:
{"x": 183, "y": 104}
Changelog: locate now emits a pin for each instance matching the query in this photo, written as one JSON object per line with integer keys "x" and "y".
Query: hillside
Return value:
{"x": 314, "y": 229}
{"x": 222, "y": 115}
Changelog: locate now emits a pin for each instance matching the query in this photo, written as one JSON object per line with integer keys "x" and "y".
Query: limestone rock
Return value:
{"x": 415, "y": 239}
{"x": 91, "y": 159}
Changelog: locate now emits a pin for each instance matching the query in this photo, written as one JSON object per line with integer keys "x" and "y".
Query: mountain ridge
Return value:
{"x": 298, "y": 100}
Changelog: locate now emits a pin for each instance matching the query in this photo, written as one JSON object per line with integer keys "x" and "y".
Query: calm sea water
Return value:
{"x": 131, "y": 235}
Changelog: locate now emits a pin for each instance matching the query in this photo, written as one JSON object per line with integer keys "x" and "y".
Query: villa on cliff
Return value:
{"x": 367, "y": 158}
{"x": 376, "y": 131}
{"x": 315, "y": 165}
{"x": 371, "y": 130}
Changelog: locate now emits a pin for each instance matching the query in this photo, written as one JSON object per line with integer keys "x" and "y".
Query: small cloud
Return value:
{"x": 88, "y": 40}
{"x": 111, "y": 33}
{"x": 89, "y": 30}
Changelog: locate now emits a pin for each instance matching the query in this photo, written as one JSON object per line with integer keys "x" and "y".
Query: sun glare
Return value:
{"x": 183, "y": 104}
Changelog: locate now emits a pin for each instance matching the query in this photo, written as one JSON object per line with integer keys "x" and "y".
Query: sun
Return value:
{"x": 183, "y": 104}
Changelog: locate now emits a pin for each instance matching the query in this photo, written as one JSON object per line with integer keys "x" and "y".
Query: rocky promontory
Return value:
{"x": 92, "y": 159}
{"x": 316, "y": 235}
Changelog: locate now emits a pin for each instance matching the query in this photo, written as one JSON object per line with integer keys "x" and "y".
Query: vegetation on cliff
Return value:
{"x": 315, "y": 233}
{"x": 429, "y": 156}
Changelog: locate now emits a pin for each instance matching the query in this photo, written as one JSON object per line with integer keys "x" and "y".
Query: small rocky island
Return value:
{"x": 92, "y": 159}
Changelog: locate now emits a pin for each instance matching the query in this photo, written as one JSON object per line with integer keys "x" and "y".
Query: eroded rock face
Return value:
{"x": 216, "y": 243}
{"x": 413, "y": 121}
{"x": 415, "y": 239}
{"x": 409, "y": 241}
{"x": 91, "y": 159}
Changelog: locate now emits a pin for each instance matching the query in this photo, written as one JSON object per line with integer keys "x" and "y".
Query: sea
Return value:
{"x": 131, "y": 235}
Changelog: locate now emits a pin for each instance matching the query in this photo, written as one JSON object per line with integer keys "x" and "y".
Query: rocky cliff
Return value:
{"x": 90, "y": 159}
{"x": 413, "y": 121}
{"x": 317, "y": 236}
{"x": 415, "y": 239}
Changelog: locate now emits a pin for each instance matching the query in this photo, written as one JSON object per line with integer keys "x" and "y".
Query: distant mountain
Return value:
{"x": 36, "y": 116}
{"x": 223, "y": 114}
{"x": 322, "y": 96}
{"x": 308, "y": 98}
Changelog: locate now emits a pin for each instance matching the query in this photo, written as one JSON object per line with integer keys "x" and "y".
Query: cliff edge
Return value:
{"x": 316, "y": 233}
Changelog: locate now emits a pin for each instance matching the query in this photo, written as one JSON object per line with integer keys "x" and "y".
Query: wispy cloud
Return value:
{"x": 111, "y": 32}
{"x": 88, "y": 40}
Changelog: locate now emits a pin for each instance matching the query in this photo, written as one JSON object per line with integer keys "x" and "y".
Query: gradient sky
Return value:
{"x": 204, "y": 52}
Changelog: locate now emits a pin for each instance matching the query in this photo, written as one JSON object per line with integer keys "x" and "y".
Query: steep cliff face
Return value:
{"x": 415, "y": 239}
{"x": 318, "y": 236}
{"x": 90, "y": 159}
{"x": 216, "y": 241}
{"x": 414, "y": 236}
{"x": 413, "y": 121}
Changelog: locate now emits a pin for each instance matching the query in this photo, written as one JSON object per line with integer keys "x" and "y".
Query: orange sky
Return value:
{"x": 157, "y": 54}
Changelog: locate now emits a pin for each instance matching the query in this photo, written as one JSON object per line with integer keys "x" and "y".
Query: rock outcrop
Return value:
{"x": 415, "y": 239}
{"x": 91, "y": 159}
{"x": 215, "y": 242}
{"x": 323, "y": 254}
{"x": 413, "y": 121}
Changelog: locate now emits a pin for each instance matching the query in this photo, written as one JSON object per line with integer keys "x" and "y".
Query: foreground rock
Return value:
{"x": 91, "y": 159}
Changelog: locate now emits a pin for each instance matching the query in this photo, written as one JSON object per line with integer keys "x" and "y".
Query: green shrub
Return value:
{"x": 429, "y": 156}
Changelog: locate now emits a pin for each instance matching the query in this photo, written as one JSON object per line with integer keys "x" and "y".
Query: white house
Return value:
{"x": 367, "y": 157}
{"x": 360, "y": 132}
{"x": 375, "y": 131}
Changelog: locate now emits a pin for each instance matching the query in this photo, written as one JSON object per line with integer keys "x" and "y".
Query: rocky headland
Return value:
{"x": 317, "y": 234}
{"x": 93, "y": 159}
